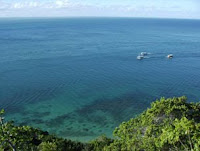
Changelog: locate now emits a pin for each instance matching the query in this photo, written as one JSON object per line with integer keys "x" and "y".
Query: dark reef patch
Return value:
{"x": 59, "y": 120}
{"x": 128, "y": 104}
{"x": 66, "y": 119}
{"x": 30, "y": 121}
{"x": 37, "y": 121}
{"x": 40, "y": 114}
{"x": 85, "y": 129}
{"x": 104, "y": 113}
{"x": 69, "y": 128}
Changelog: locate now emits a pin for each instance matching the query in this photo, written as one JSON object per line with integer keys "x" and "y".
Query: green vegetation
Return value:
{"x": 170, "y": 124}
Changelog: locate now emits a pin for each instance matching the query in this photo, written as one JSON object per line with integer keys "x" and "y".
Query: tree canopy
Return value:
{"x": 170, "y": 124}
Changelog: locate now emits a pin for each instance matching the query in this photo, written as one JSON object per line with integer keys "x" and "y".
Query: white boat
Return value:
{"x": 170, "y": 56}
{"x": 140, "y": 57}
{"x": 144, "y": 53}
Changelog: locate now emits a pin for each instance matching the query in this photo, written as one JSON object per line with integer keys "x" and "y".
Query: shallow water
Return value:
{"x": 79, "y": 78}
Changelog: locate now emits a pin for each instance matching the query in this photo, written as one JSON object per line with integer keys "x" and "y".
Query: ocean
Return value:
{"x": 79, "y": 78}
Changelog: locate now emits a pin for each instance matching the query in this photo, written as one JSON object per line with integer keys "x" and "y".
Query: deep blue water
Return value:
{"x": 79, "y": 77}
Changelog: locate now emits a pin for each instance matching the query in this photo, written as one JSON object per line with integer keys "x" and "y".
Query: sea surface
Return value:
{"x": 79, "y": 78}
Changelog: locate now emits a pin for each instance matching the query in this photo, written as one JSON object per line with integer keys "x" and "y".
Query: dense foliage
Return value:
{"x": 170, "y": 124}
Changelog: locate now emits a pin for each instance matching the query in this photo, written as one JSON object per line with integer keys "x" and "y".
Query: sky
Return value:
{"x": 102, "y": 8}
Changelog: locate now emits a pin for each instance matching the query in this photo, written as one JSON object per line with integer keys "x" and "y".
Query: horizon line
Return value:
{"x": 43, "y": 17}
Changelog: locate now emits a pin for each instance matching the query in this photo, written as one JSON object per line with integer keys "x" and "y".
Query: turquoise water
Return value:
{"x": 79, "y": 78}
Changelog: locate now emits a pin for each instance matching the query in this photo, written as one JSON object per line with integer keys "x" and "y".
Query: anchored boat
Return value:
{"x": 144, "y": 53}
{"x": 170, "y": 56}
{"x": 140, "y": 57}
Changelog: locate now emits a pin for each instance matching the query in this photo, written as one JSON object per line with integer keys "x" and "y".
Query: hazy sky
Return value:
{"x": 128, "y": 8}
